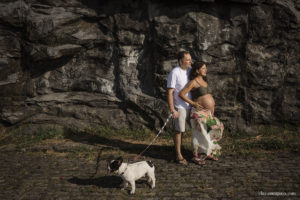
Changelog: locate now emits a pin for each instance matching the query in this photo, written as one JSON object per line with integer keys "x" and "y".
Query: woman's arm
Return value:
{"x": 186, "y": 90}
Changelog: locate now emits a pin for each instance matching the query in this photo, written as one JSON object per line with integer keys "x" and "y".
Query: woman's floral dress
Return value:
{"x": 207, "y": 131}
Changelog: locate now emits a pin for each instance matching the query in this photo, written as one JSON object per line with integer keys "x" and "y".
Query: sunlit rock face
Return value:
{"x": 88, "y": 63}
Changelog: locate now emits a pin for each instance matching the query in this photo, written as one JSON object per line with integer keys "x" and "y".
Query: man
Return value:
{"x": 177, "y": 79}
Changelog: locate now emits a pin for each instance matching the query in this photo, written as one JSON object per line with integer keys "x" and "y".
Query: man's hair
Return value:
{"x": 181, "y": 55}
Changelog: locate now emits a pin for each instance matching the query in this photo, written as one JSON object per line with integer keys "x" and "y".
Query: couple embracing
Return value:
{"x": 189, "y": 95}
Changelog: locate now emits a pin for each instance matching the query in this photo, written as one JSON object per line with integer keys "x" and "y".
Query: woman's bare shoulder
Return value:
{"x": 190, "y": 85}
{"x": 193, "y": 82}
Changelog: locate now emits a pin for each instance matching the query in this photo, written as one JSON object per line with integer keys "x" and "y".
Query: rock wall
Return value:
{"x": 86, "y": 63}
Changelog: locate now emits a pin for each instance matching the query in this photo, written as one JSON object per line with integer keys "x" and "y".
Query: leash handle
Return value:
{"x": 169, "y": 117}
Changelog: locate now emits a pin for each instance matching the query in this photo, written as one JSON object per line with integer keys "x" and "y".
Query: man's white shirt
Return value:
{"x": 178, "y": 79}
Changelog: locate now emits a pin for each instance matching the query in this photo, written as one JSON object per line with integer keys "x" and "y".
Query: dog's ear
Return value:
{"x": 120, "y": 160}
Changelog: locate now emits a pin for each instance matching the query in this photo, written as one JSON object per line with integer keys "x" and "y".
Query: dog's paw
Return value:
{"x": 132, "y": 192}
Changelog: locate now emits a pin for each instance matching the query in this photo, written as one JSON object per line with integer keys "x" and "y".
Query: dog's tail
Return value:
{"x": 150, "y": 163}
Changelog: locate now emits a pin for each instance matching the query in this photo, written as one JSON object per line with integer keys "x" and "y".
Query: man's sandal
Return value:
{"x": 181, "y": 161}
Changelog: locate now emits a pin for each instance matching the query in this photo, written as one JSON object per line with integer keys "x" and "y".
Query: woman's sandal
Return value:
{"x": 181, "y": 161}
{"x": 214, "y": 158}
{"x": 198, "y": 161}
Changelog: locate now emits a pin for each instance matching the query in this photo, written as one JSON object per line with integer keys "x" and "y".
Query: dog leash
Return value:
{"x": 97, "y": 163}
{"x": 162, "y": 128}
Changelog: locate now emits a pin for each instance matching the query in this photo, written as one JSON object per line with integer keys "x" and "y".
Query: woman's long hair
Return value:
{"x": 195, "y": 66}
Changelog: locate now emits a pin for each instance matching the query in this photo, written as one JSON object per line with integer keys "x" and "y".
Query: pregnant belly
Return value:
{"x": 207, "y": 101}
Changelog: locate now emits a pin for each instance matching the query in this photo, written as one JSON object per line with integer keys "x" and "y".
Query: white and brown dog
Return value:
{"x": 132, "y": 172}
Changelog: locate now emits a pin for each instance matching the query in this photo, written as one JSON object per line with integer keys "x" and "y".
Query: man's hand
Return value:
{"x": 175, "y": 114}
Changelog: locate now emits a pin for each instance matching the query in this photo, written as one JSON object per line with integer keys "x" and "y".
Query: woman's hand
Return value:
{"x": 197, "y": 105}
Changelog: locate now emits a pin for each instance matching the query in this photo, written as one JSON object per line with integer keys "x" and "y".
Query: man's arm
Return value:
{"x": 171, "y": 102}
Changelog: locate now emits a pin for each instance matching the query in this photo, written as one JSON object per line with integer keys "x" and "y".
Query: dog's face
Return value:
{"x": 114, "y": 165}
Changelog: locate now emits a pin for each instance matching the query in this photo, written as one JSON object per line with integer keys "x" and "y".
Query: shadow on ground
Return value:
{"x": 154, "y": 151}
{"x": 103, "y": 182}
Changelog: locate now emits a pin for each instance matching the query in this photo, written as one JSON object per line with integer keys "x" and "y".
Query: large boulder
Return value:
{"x": 88, "y": 63}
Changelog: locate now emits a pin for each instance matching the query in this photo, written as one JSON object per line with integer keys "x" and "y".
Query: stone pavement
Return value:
{"x": 40, "y": 175}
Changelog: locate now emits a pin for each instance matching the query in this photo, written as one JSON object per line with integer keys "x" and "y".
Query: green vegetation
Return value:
{"x": 22, "y": 139}
{"x": 123, "y": 141}
{"x": 267, "y": 140}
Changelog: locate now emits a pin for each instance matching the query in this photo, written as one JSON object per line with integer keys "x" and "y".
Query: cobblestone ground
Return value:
{"x": 40, "y": 175}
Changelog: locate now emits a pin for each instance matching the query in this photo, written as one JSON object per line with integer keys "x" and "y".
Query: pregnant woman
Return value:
{"x": 207, "y": 129}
